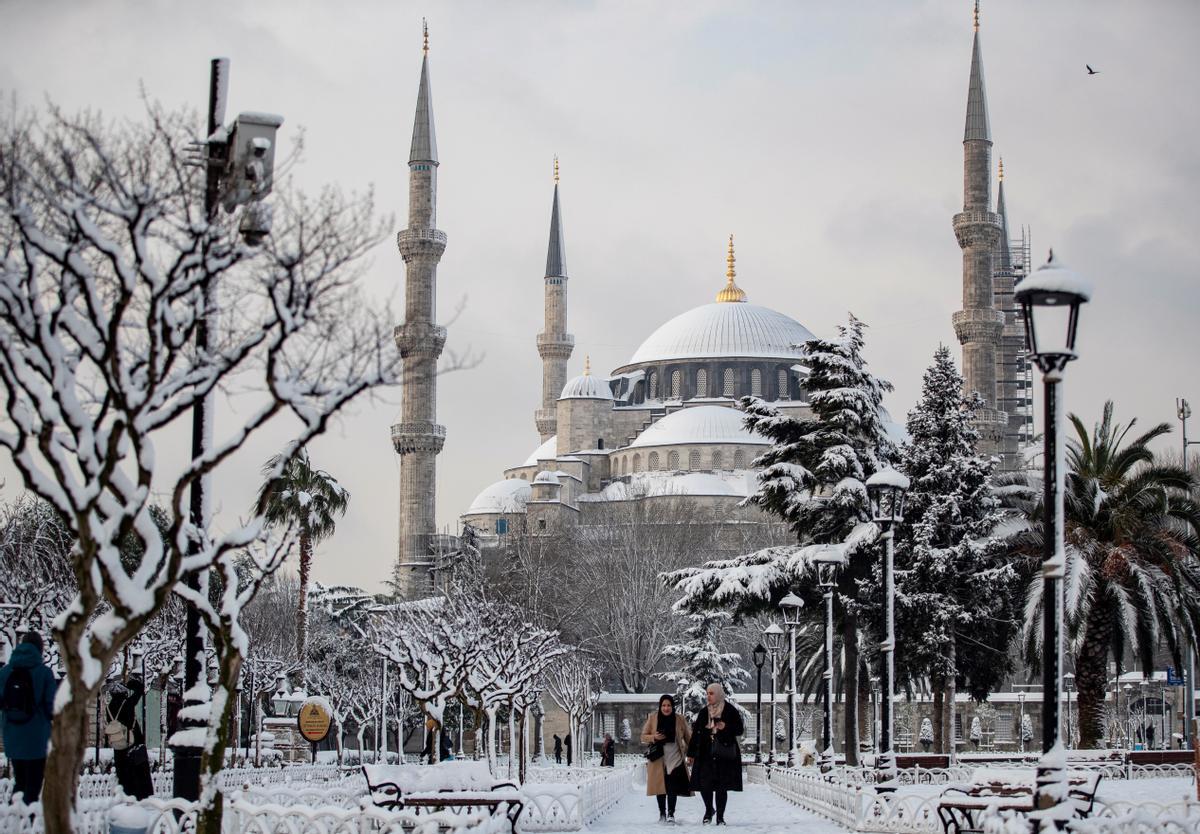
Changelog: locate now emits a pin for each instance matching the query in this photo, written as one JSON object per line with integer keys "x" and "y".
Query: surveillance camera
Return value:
{"x": 256, "y": 223}
{"x": 260, "y": 145}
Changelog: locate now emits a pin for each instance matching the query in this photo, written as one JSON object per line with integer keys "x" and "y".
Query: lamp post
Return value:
{"x": 1184, "y": 411}
{"x": 827, "y": 567}
{"x": 875, "y": 718}
{"x": 791, "y": 606}
{"x": 760, "y": 657}
{"x": 1145, "y": 685}
{"x": 1128, "y": 716}
{"x": 1050, "y": 299}
{"x": 772, "y": 636}
{"x": 1021, "y": 720}
{"x": 886, "y": 490}
{"x": 139, "y": 663}
{"x": 1068, "y": 682}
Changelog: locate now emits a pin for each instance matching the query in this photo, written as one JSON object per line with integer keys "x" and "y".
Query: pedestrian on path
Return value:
{"x": 567, "y": 744}
{"x": 126, "y": 738}
{"x": 714, "y": 754}
{"x": 666, "y": 775}
{"x": 557, "y": 749}
{"x": 27, "y": 690}
{"x": 608, "y": 751}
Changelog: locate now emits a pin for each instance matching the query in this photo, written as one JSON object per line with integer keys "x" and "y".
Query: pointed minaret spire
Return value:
{"x": 1003, "y": 253}
{"x": 554, "y": 343}
{"x": 424, "y": 139}
{"x": 977, "y": 113}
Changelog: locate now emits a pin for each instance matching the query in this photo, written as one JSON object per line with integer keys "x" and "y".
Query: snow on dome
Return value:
{"x": 726, "y": 330}
{"x": 586, "y": 387}
{"x": 508, "y": 496}
{"x": 655, "y": 484}
{"x": 699, "y": 424}
{"x": 546, "y": 477}
{"x": 546, "y": 451}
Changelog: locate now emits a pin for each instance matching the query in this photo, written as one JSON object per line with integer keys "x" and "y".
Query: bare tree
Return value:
{"x": 574, "y": 685}
{"x": 109, "y": 266}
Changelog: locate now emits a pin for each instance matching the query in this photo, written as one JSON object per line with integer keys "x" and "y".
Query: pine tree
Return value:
{"x": 951, "y": 581}
{"x": 813, "y": 478}
{"x": 700, "y": 662}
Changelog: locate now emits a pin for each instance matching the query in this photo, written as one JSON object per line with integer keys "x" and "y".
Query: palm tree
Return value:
{"x": 1133, "y": 558}
{"x": 310, "y": 499}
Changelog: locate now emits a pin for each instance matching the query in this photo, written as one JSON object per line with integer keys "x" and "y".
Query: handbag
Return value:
{"x": 654, "y": 752}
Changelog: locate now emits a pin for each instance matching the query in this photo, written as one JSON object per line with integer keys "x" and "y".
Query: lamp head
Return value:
{"x": 791, "y": 605}
{"x": 773, "y": 638}
{"x": 760, "y": 655}
{"x": 1050, "y": 299}
{"x": 886, "y": 490}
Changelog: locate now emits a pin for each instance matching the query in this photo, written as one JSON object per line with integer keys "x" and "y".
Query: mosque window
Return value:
{"x": 673, "y": 461}
{"x": 653, "y": 394}
{"x": 501, "y": 526}
{"x": 676, "y": 384}
{"x": 599, "y": 442}
{"x": 784, "y": 393}
{"x": 756, "y": 383}
{"x": 637, "y": 463}
{"x": 702, "y": 383}
{"x": 728, "y": 383}
{"x": 652, "y": 463}
{"x": 541, "y": 524}
{"x": 694, "y": 459}
{"x": 739, "y": 459}
{"x": 716, "y": 459}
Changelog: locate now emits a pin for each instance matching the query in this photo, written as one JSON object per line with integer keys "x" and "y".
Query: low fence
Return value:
{"x": 573, "y": 804}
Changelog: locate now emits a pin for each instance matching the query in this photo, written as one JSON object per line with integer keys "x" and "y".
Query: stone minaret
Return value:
{"x": 554, "y": 344}
{"x": 418, "y": 438}
{"x": 1011, "y": 395}
{"x": 979, "y": 324}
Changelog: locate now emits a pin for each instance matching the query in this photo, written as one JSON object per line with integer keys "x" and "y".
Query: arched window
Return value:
{"x": 676, "y": 384}
{"x": 653, "y": 392}
{"x": 694, "y": 459}
{"x": 637, "y": 462}
{"x": 739, "y": 459}
{"x": 716, "y": 459}
{"x": 652, "y": 463}
{"x": 756, "y": 383}
{"x": 728, "y": 383}
{"x": 599, "y": 442}
{"x": 702, "y": 383}
{"x": 624, "y": 465}
{"x": 672, "y": 460}
{"x": 784, "y": 390}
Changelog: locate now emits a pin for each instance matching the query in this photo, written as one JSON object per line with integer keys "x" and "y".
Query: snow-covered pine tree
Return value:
{"x": 950, "y": 579}
{"x": 699, "y": 662}
{"x": 976, "y": 731}
{"x": 926, "y": 737}
{"x": 813, "y": 478}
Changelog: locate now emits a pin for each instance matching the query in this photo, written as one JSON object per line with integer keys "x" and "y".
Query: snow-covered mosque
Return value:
{"x": 663, "y": 426}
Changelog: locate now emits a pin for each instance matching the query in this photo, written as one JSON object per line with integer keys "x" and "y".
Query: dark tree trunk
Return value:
{"x": 1091, "y": 675}
{"x": 302, "y": 605}
{"x": 939, "y": 714}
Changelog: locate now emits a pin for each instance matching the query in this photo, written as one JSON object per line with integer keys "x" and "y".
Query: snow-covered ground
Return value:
{"x": 1163, "y": 791}
{"x": 753, "y": 811}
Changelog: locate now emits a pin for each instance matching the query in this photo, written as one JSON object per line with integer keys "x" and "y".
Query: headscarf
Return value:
{"x": 666, "y": 723}
{"x": 717, "y": 708}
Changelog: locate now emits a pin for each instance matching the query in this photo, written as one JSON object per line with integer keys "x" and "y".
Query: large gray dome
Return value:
{"x": 725, "y": 330}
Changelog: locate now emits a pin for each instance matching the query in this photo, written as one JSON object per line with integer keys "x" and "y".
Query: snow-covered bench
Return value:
{"x": 960, "y": 805}
{"x": 449, "y": 785}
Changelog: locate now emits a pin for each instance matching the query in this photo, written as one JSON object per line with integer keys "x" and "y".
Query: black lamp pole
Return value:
{"x": 760, "y": 656}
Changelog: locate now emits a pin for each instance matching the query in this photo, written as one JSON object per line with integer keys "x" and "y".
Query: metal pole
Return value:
{"x": 99, "y": 695}
{"x": 773, "y": 719}
{"x": 1189, "y": 668}
{"x": 827, "y": 757}
{"x": 1050, "y": 770}
{"x": 885, "y": 762}
{"x": 383, "y": 717}
{"x": 758, "y": 716}
{"x": 791, "y": 752}
{"x": 187, "y": 757}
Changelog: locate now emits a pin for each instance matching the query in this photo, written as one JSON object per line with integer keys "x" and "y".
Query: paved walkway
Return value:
{"x": 755, "y": 810}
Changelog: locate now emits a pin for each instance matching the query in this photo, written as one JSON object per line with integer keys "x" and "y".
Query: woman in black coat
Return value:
{"x": 714, "y": 753}
{"x": 132, "y": 763}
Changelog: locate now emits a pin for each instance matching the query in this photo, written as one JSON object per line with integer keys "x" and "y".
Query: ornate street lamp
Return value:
{"x": 1021, "y": 720}
{"x": 760, "y": 657}
{"x": 279, "y": 700}
{"x": 1050, "y": 299}
{"x": 772, "y": 637}
{"x": 827, "y": 568}
{"x": 1068, "y": 682}
{"x": 886, "y": 490}
{"x": 791, "y": 606}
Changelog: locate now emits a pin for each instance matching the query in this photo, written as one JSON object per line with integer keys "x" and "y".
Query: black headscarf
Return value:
{"x": 666, "y": 723}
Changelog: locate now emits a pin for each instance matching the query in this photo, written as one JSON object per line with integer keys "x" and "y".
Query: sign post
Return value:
{"x": 314, "y": 721}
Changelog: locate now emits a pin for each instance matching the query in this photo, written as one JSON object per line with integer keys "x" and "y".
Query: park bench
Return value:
{"x": 453, "y": 786}
{"x": 906, "y": 761}
{"x": 960, "y": 806}
{"x": 1160, "y": 757}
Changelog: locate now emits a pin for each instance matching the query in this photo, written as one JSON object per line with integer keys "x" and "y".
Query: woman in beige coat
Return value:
{"x": 667, "y": 776}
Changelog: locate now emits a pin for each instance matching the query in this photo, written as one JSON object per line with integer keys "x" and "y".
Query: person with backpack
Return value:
{"x": 27, "y": 689}
{"x": 126, "y": 738}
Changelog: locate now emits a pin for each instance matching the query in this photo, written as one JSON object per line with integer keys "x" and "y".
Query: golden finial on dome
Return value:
{"x": 587, "y": 365}
{"x": 731, "y": 291}
{"x": 976, "y": 15}
{"x": 1001, "y": 169}
{"x": 556, "y": 169}
{"x": 425, "y": 32}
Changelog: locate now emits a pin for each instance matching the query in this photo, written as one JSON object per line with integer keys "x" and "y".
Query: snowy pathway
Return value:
{"x": 753, "y": 811}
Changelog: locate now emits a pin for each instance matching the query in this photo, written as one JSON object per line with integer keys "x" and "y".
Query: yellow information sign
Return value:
{"x": 314, "y": 720}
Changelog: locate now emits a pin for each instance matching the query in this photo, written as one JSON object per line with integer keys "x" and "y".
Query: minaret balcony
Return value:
{"x": 555, "y": 345}
{"x": 418, "y": 437}
{"x": 546, "y": 420}
{"x": 977, "y": 228}
{"x": 979, "y": 324}
{"x": 415, "y": 242}
{"x": 420, "y": 338}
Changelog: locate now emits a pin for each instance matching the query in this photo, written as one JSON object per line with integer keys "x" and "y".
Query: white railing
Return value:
{"x": 573, "y": 804}
{"x": 599, "y": 794}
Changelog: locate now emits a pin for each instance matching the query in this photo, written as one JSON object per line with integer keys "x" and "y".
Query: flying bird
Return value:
{"x": 1091, "y": 71}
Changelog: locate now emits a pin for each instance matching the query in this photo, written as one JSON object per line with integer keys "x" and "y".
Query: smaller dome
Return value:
{"x": 546, "y": 451}
{"x": 586, "y": 387}
{"x": 546, "y": 477}
{"x": 699, "y": 424}
{"x": 507, "y": 496}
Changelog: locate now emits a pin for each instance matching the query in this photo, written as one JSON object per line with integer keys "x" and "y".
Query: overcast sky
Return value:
{"x": 826, "y": 136}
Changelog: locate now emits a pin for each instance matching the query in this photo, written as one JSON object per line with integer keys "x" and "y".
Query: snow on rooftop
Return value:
{"x": 737, "y": 484}
{"x": 546, "y": 451}
{"x": 699, "y": 424}
{"x": 586, "y": 387}
{"x": 732, "y": 330}
{"x": 546, "y": 477}
{"x": 507, "y": 496}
